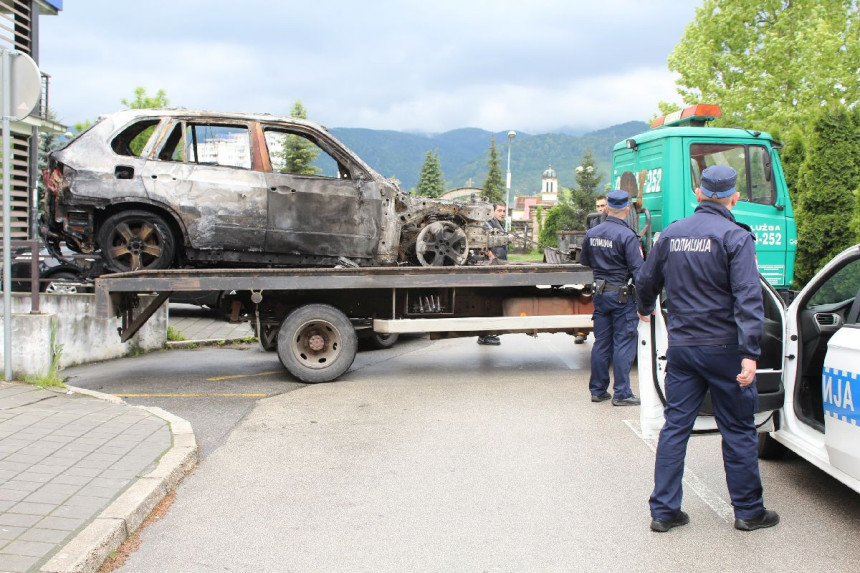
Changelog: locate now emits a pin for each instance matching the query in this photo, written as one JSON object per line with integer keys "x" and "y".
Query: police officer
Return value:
{"x": 707, "y": 264}
{"x": 612, "y": 250}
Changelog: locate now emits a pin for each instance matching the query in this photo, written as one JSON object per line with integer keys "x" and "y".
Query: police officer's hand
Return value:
{"x": 645, "y": 317}
{"x": 747, "y": 375}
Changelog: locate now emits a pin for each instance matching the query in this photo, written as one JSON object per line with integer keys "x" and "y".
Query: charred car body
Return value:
{"x": 161, "y": 188}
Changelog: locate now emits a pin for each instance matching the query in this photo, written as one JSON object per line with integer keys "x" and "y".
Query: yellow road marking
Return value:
{"x": 190, "y": 395}
{"x": 217, "y": 378}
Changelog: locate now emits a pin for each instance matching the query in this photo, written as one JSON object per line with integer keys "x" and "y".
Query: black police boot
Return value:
{"x": 663, "y": 526}
{"x": 767, "y": 518}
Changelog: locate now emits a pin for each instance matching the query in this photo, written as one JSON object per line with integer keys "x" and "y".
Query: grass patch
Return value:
{"x": 534, "y": 255}
{"x": 174, "y": 335}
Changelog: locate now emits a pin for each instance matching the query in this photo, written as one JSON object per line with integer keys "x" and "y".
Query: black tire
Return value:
{"x": 136, "y": 240}
{"x": 768, "y": 448}
{"x": 317, "y": 343}
{"x": 57, "y": 283}
{"x": 269, "y": 339}
{"x": 380, "y": 341}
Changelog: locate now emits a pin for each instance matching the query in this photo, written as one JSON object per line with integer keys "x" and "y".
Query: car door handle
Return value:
{"x": 282, "y": 189}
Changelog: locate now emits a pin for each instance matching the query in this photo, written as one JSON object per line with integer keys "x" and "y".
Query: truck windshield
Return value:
{"x": 752, "y": 163}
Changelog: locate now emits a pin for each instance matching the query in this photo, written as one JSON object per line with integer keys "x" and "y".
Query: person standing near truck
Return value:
{"x": 707, "y": 264}
{"x": 613, "y": 252}
{"x": 496, "y": 255}
{"x": 593, "y": 221}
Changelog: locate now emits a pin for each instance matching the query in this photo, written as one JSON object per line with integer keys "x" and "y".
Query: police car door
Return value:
{"x": 822, "y": 370}
{"x": 653, "y": 343}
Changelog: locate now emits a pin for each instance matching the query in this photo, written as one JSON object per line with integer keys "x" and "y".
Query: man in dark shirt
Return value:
{"x": 613, "y": 252}
{"x": 707, "y": 265}
{"x": 495, "y": 254}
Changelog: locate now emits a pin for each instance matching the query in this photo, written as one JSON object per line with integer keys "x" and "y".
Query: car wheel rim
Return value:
{"x": 135, "y": 244}
{"x": 441, "y": 243}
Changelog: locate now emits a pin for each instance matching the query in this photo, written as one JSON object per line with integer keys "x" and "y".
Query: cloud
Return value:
{"x": 380, "y": 64}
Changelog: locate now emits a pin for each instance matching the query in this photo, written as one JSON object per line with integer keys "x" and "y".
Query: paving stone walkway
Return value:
{"x": 63, "y": 458}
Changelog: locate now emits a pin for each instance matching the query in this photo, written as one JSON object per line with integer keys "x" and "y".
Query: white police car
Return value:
{"x": 808, "y": 377}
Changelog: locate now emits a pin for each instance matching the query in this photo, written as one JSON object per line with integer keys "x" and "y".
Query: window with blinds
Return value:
{"x": 16, "y": 25}
{"x": 16, "y": 33}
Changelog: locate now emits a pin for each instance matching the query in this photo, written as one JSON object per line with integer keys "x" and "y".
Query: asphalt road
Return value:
{"x": 448, "y": 456}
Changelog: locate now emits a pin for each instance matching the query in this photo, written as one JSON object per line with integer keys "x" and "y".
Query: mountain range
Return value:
{"x": 464, "y": 153}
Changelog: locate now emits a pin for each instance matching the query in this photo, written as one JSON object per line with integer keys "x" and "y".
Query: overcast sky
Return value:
{"x": 430, "y": 65}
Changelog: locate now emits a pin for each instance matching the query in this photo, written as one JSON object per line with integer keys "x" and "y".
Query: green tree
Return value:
{"x": 826, "y": 190}
{"x": 431, "y": 182}
{"x": 792, "y": 156}
{"x": 770, "y": 63}
{"x": 143, "y": 101}
{"x": 561, "y": 217}
{"x": 494, "y": 185}
{"x": 298, "y": 153}
{"x": 587, "y": 176}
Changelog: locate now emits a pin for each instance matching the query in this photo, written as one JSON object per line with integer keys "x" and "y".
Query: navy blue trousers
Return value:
{"x": 690, "y": 372}
{"x": 614, "y": 343}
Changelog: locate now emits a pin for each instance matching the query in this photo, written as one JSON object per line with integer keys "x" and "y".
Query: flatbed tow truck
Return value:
{"x": 312, "y": 317}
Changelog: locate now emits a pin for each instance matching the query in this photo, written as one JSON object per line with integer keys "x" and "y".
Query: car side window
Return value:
{"x": 841, "y": 289}
{"x": 296, "y": 154}
{"x": 208, "y": 144}
{"x": 131, "y": 140}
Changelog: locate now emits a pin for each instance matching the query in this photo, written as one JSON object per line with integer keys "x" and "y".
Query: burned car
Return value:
{"x": 161, "y": 188}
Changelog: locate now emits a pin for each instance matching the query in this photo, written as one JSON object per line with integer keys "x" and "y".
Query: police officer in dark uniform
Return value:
{"x": 613, "y": 251}
{"x": 707, "y": 264}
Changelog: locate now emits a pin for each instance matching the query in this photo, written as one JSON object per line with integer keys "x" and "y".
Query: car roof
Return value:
{"x": 121, "y": 117}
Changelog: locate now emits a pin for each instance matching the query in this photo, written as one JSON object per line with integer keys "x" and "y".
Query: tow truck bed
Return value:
{"x": 445, "y": 301}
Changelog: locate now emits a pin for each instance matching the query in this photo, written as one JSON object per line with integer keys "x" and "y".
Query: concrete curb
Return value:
{"x": 92, "y": 546}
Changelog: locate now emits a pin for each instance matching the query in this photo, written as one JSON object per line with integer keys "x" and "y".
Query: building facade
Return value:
{"x": 19, "y": 31}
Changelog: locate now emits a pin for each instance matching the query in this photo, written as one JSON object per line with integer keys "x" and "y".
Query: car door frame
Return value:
{"x": 233, "y": 215}
{"x": 651, "y": 360}
{"x": 793, "y": 430}
{"x": 322, "y": 215}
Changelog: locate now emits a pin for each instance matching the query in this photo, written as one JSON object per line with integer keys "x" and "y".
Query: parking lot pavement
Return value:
{"x": 79, "y": 471}
{"x": 200, "y": 326}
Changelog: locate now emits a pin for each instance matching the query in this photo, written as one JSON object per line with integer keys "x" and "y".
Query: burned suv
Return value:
{"x": 161, "y": 188}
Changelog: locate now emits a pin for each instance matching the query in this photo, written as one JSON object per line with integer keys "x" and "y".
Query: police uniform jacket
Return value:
{"x": 707, "y": 264}
{"x": 612, "y": 250}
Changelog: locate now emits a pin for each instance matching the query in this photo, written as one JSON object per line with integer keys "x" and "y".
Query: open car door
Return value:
{"x": 653, "y": 343}
{"x": 819, "y": 420}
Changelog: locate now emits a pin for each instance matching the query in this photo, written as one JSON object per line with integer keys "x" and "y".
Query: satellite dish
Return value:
{"x": 25, "y": 85}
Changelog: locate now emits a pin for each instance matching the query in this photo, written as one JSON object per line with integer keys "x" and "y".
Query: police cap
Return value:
{"x": 617, "y": 199}
{"x": 718, "y": 181}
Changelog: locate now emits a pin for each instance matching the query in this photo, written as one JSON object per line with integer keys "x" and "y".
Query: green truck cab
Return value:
{"x": 662, "y": 167}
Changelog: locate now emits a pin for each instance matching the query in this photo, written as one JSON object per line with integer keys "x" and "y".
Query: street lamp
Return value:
{"x": 509, "y": 210}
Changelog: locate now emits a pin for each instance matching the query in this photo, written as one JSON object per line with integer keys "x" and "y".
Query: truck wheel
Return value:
{"x": 135, "y": 240}
{"x": 269, "y": 338}
{"x": 768, "y": 448}
{"x": 380, "y": 341}
{"x": 317, "y": 343}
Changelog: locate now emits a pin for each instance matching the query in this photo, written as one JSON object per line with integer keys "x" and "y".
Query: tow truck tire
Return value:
{"x": 768, "y": 448}
{"x": 317, "y": 343}
{"x": 381, "y": 341}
